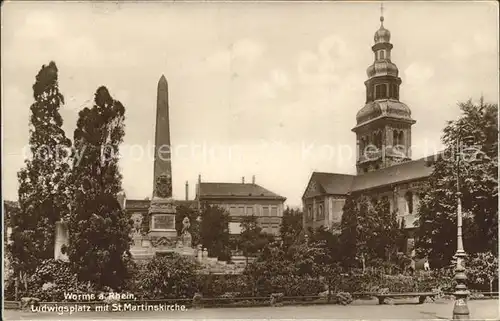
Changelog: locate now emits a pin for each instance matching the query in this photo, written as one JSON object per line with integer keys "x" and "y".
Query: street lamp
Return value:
{"x": 473, "y": 155}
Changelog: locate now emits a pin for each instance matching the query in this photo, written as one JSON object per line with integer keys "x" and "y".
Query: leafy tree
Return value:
{"x": 386, "y": 231}
{"x": 483, "y": 269}
{"x": 252, "y": 239}
{"x": 331, "y": 243}
{"x": 43, "y": 190}
{"x": 291, "y": 226}
{"x": 185, "y": 211}
{"x": 478, "y": 186}
{"x": 99, "y": 228}
{"x": 348, "y": 231}
{"x": 369, "y": 231}
{"x": 214, "y": 231}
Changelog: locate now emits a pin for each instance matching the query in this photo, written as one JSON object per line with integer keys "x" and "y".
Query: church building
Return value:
{"x": 384, "y": 167}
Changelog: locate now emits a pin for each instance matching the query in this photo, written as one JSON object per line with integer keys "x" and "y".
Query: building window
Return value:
{"x": 394, "y": 137}
{"x": 409, "y": 202}
{"x": 241, "y": 210}
{"x": 393, "y": 91}
{"x": 265, "y": 211}
{"x": 397, "y": 138}
{"x": 274, "y": 211}
{"x": 250, "y": 211}
{"x": 162, "y": 222}
{"x": 381, "y": 54}
{"x": 309, "y": 213}
{"x": 378, "y": 139}
{"x": 233, "y": 210}
{"x": 380, "y": 91}
{"x": 321, "y": 213}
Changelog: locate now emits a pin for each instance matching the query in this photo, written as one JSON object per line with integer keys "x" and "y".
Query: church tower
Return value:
{"x": 383, "y": 125}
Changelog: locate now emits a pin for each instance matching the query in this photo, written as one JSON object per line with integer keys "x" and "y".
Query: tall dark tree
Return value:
{"x": 252, "y": 238}
{"x": 43, "y": 189}
{"x": 478, "y": 186}
{"x": 348, "y": 234}
{"x": 369, "y": 231}
{"x": 214, "y": 231}
{"x": 99, "y": 228}
{"x": 385, "y": 232}
{"x": 291, "y": 226}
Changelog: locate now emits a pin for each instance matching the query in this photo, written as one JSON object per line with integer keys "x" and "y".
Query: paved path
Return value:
{"x": 479, "y": 310}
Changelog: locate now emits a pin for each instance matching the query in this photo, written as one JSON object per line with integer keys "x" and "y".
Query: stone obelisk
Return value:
{"x": 162, "y": 209}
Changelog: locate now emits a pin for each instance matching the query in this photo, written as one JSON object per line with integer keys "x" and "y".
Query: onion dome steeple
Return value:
{"x": 382, "y": 34}
{"x": 384, "y": 122}
{"x": 382, "y": 86}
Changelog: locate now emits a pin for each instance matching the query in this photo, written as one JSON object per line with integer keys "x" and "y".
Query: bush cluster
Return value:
{"x": 49, "y": 282}
{"x": 180, "y": 277}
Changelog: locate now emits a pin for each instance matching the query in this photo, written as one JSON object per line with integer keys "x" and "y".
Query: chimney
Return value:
{"x": 187, "y": 191}
{"x": 199, "y": 178}
{"x": 253, "y": 179}
{"x": 243, "y": 180}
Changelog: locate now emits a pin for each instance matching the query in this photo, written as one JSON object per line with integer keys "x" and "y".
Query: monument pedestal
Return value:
{"x": 162, "y": 219}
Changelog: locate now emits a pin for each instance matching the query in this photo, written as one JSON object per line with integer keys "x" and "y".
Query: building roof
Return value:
{"x": 236, "y": 190}
{"x": 407, "y": 171}
{"x": 333, "y": 183}
{"x": 343, "y": 184}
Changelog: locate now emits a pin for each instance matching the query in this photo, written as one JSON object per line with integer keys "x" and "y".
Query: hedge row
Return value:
{"x": 176, "y": 279}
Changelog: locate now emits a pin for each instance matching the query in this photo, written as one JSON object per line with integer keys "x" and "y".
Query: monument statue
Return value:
{"x": 137, "y": 219}
{"x": 186, "y": 238}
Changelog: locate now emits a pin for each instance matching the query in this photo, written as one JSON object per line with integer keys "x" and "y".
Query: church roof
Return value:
{"x": 236, "y": 190}
{"x": 343, "y": 184}
{"x": 383, "y": 108}
{"x": 333, "y": 183}
{"x": 407, "y": 171}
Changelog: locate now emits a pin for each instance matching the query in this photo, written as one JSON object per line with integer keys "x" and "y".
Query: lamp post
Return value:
{"x": 460, "y": 309}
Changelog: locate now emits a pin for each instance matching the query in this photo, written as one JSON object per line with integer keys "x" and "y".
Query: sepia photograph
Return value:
{"x": 169, "y": 160}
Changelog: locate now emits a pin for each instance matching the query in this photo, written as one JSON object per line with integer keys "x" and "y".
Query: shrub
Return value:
{"x": 167, "y": 278}
{"x": 217, "y": 285}
{"x": 344, "y": 298}
{"x": 51, "y": 279}
{"x": 290, "y": 285}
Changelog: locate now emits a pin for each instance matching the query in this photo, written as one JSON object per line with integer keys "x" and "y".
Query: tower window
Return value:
{"x": 393, "y": 91}
{"x": 395, "y": 138}
{"x": 381, "y": 91}
{"x": 381, "y": 54}
{"x": 401, "y": 138}
{"x": 378, "y": 139}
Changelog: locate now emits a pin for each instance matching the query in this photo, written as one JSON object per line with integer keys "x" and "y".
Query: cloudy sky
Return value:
{"x": 264, "y": 89}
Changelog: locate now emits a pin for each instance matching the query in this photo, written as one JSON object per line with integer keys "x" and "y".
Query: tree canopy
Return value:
{"x": 99, "y": 229}
{"x": 291, "y": 226}
{"x": 214, "y": 231}
{"x": 478, "y": 181}
{"x": 43, "y": 189}
{"x": 369, "y": 230}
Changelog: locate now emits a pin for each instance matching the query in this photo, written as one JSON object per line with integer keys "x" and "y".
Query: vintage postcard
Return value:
{"x": 250, "y": 160}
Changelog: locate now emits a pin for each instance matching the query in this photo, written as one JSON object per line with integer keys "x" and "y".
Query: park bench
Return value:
{"x": 421, "y": 296}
